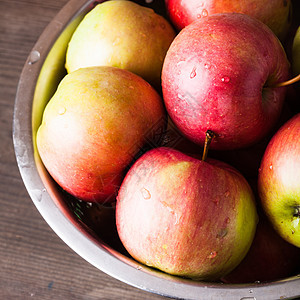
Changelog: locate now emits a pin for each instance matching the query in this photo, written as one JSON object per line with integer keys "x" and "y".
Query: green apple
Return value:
{"x": 296, "y": 53}
{"x": 185, "y": 216}
{"x": 97, "y": 121}
{"x": 279, "y": 181}
{"x": 121, "y": 34}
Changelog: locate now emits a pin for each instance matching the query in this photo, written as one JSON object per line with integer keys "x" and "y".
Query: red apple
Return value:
{"x": 279, "y": 181}
{"x": 269, "y": 258}
{"x": 94, "y": 125}
{"x": 276, "y": 13}
{"x": 185, "y": 216}
{"x": 219, "y": 74}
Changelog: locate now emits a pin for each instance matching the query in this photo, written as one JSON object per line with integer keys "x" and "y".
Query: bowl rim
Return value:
{"x": 85, "y": 245}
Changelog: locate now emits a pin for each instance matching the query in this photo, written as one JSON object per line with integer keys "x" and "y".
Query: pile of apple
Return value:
{"x": 133, "y": 121}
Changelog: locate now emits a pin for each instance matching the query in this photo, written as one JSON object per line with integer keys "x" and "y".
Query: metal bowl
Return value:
{"x": 89, "y": 229}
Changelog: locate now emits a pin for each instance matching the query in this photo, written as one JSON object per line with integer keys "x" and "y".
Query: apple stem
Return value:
{"x": 209, "y": 135}
{"x": 288, "y": 82}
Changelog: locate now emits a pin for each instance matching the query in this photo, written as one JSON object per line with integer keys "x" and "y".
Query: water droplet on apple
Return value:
{"x": 145, "y": 193}
{"x": 222, "y": 233}
{"x": 180, "y": 63}
{"x": 216, "y": 200}
{"x": 227, "y": 220}
{"x": 227, "y": 193}
{"x": 162, "y": 26}
{"x": 225, "y": 79}
{"x": 271, "y": 167}
{"x": 207, "y": 66}
{"x": 193, "y": 73}
{"x": 204, "y": 13}
{"x": 198, "y": 16}
{"x": 117, "y": 41}
{"x": 61, "y": 110}
{"x": 176, "y": 219}
{"x": 212, "y": 254}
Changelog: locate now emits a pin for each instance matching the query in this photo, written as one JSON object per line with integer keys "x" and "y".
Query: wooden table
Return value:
{"x": 34, "y": 262}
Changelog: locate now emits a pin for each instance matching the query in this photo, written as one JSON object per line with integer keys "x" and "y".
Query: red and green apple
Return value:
{"x": 91, "y": 130}
{"x": 121, "y": 34}
{"x": 279, "y": 181}
{"x": 185, "y": 216}
{"x": 220, "y": 74}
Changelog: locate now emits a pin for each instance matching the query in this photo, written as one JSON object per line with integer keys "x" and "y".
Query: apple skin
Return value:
{"x": 215, "y": 76}
{"x": 270, "y": 257}
{"x": 185, "y": 216}
{"x": 279, "y": 181}
{"x": 90, "y": 130}
{"x": 276, "y": 14}
{"x": 121, "y": 34}
{"x": 296, "y": 53}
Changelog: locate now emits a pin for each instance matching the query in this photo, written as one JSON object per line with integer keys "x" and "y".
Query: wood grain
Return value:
{"x": 34, "y": 262}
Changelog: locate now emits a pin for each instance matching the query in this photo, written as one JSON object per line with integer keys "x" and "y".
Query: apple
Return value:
{"x": 279, "y": 181}
{"x": 185, "y": 216}
{"x": 220, "y": 74}
{"x": 296, "y": 53}
{"x": 270, "y": 257}
{"x": 276, "y": 13}
{"x": 90, "y": 130}
{"x": 121, "y": 34}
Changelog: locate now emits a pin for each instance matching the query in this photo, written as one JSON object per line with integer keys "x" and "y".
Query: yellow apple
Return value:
{"x": 97, "y": 121}
{"x": 121, "y": 34}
